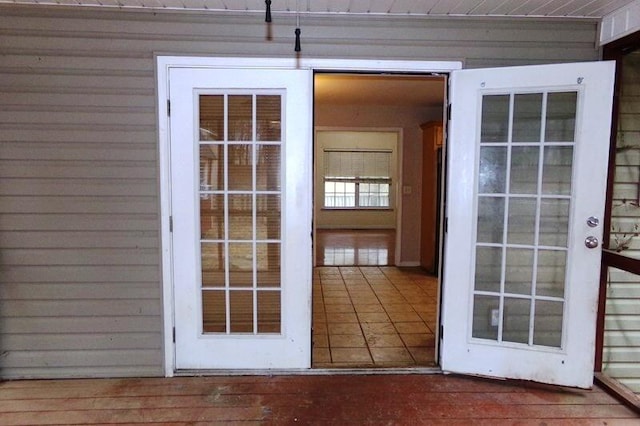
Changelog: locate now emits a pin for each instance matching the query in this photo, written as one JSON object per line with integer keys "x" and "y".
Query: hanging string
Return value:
{"x": 267, "y": 17}
{"x": 297, "y": 31}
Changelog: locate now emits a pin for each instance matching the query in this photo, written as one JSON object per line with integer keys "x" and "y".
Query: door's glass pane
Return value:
{"x": 551, "y": 273}
{"x": 495, "y": 118}
{"x": 240, "y": 167}
{"x": 268, "y": 117}
{"x": 561, "y": 117}
{"x": 241, "y": 311}
{"x": 547, "y": 327}
{"x": 527, "y": 117}
{"x": 488, "y": 268}
{"x": 212, "y": 255}
{"x": 268, "y": 255}
{"x": 522, "y": 220}
{"x": 484, "y": 313}
{"x": 214, "y": 316}
{"x": 493, "y": 168}
{"x": 212, "y": 216}
{"x": 240, "y": 217}
{"x": 554, "y": 222}
{"x": 240, "y": 117}
{"x": 524, "y": 170}
{"x": 268, "y": 217}
{"x": 240, "y": 265}
{"x": 268, "y": 167}
{"x": 211, "y": 117}
{"x": 515, "y": 327}
{"x": 490, "y": 219}
{"x": 268, "y": 312}
{"x": 211, "y": 167}
{"x": 557, "y": 167}
{"x": 519, "y": 271}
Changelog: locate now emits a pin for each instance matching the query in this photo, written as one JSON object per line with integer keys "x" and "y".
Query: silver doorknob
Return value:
{"x": 591, "y": 242}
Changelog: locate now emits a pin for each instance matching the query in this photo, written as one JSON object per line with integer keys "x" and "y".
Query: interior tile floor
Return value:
{"x": 373, "y": 316}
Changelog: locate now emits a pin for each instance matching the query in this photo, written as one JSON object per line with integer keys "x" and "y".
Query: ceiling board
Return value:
{"x": 537, "y": 8}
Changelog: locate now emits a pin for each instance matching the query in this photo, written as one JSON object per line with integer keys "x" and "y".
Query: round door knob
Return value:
{"x": 591, "y": 242}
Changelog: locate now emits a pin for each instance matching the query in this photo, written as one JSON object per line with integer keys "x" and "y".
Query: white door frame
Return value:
{"x": 163, "y": 65}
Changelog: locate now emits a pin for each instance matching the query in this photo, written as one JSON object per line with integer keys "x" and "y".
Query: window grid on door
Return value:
{"x": 523, "y": 204}
{"x": 240, "y": 146}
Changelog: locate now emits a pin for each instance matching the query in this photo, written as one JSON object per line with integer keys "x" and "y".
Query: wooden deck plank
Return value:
{"x": 304, "y": 399}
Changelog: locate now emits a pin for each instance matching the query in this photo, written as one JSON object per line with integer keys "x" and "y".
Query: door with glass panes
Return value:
{"x": 527, "y": 166}
{"x": 241, "y": 217}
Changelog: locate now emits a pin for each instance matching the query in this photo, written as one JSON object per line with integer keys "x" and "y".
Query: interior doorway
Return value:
{"x": 373, "y": 304}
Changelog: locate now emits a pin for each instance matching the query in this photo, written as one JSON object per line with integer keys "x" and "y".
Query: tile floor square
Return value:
{"x": 351, "y": 355}
{"x": 347, "y": 341}
{"x": 384, "y": 341}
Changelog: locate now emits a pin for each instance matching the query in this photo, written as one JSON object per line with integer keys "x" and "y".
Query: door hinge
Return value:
{"x": 170, "y": 223}
{"x": 449, "y": 112}
{"x": 174, "y": 334}
{"x": 441, "y": 332}
{"x": 168, "y": 108}
{"x": 446, "y": 225}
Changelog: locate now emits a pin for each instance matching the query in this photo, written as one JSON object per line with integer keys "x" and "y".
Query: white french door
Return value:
{"x": 241, "y": 208}
{"x": 527, "y": 167}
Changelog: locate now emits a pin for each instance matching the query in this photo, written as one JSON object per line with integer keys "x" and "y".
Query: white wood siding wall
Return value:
{"x": 621, "y": 357}
{"x": 79, "y": 210}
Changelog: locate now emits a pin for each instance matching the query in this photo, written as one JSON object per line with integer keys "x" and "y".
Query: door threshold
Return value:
{"x": 309, "y": 371}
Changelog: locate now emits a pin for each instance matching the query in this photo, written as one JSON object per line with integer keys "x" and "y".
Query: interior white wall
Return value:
{"x": 409, "y": 120}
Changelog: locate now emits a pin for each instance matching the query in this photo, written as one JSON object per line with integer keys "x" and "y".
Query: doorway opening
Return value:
{"x": 376, "y": 222}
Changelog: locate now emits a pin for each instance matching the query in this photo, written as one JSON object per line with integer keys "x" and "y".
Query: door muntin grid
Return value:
{"x": 240, "y": 144}
{"x": 523, "y": 201}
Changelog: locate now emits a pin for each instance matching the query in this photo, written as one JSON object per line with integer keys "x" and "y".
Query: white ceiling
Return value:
{"x": 380, "y": 90}
{"x": 531, "y": 8}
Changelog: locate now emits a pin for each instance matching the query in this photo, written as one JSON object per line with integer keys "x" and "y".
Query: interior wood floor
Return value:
{"x": 350, "y": 247}
{"x": 305, "y": 399}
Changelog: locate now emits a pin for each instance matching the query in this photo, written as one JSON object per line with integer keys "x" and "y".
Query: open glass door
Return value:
{"x": 240, "y": 204}
{"x": 527, "y": 174}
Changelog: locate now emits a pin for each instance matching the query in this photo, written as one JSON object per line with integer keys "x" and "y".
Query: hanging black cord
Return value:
{"x": 297, "y": 48}
{"x": 267, "y": 17}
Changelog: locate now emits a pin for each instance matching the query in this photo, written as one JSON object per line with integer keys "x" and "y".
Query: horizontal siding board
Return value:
{"x": 91, "y": 341}
{"x": 80, "y": 137}
{"x": 624, "y": 354}
{"x": 79, "y": 239}
{"x": 82, "y": 256}
{"x": 78, "y": 222}
{"x": 80, "y": 291}
{"x": 97, "y": 371}
{"x": 81, "y": 358}
{"x": 77, "y": 169}
{"x": 79, "y": 273}
{"x": 61, "y": 308}
{"x": 79, "y": 207}
{"x": 73, "y": 325}
{"x": 75, "y": 187}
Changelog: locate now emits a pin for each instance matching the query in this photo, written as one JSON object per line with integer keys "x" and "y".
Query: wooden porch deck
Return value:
{"x": 304, "y": 399}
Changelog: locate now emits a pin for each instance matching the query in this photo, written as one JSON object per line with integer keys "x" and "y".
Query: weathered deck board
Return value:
{"x": 304, "y": 399}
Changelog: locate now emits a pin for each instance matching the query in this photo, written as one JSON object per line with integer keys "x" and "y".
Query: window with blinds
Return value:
{"x": 357, "y": 179}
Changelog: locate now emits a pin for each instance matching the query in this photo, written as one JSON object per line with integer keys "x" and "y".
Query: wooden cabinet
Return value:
{"x": 431, "y": 171}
